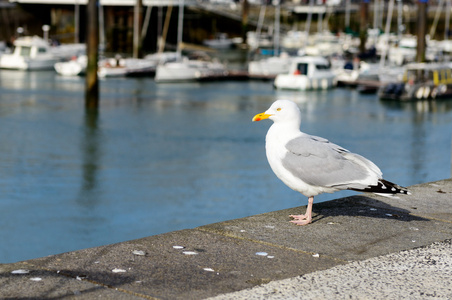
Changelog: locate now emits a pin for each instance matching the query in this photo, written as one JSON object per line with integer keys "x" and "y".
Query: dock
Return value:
{"x": 365, "y": 86}
{"x": 359, "y": 247}
{"x": 235, "y": 75}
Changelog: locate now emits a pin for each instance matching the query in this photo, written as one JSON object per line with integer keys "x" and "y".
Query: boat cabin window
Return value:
{"x": 442, "y": 76}
{"x": 25, "y": 51}
{"x": 448, "y": 75}
{"x": 322, "y": 67}
{"x": 302, "y": 69}
{"x": 42, "y": 50}
{"x": 417, "y": 75}
{"x": 428, "y": 75}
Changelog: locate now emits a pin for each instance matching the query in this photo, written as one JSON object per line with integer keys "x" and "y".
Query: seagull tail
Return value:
{"x": 385, "y": 187}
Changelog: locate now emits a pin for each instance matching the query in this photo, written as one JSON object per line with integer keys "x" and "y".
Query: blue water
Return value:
{"x": 164, "y": 157}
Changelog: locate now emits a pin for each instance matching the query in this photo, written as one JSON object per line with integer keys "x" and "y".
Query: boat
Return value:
{"x": 259, "y": 40}
{"x": 279, "y": 62}
{"x": 3, "y": 48}
{"x": 326, "y": 44}
{"x": 66, "y": 52}
{"x": 307, "y": 73}
{"x": 189, "y": 70}
{"x": 109, "y": 67}
{"x": 220, "y": 41}
{"x": 74, "y": 67}
{"x": 294, "y": 39}
{"x": 349, "y": 72}
{"x": 119, "y": 67}
{"x": 186, "y": 69}
{"x": 162, "y": 57}
{"x": 270, "y": 67}
{"x": 404, "y": 51}
{"x": 30, "y": 53}
{"x": 420, "y": 81}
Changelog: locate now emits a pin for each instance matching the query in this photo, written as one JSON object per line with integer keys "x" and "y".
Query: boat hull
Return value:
{"x": 70, "y": 68}
{"x": 421, "y": 91}
{"x": 188, "y": 71}
{"x": 14, "y": 62}
{"x": 421, "y": 81}
{"x": 302, "y": 82}
{"x": 270, "y": 66}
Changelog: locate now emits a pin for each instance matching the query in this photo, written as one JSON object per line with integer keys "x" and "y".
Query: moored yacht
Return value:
{"x": 420, "y": 81}
{"x": 30, "y": 53}
{"x": 307, "y": 73}
{"x": 189, "y": 70}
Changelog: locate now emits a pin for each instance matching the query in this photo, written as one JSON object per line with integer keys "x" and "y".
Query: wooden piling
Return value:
{"x": 137, "y": 25}
{"x": 364, "y": 21}
{"x": 421, "y": 30}
{"x": 245, "y": 12}
{"x": 92, "y": 51}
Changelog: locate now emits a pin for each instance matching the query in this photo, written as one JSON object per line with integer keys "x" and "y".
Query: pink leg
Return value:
{"x": 306, "y": 218}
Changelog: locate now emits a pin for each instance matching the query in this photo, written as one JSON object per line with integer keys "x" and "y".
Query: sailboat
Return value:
{"x": 185, "y": 69}
{"x": 276, "y": 64}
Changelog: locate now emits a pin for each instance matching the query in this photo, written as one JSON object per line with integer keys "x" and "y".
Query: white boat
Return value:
{"x": 3, "y": 48}
{"x": 189, "y": 70}
{"x": 184, "y": 69}
{"x": 307, "y": 73}
{"x": 404, "y": 51}
{"x": 68, "y": 51}
{"x": 117, "y": 67}
{"x": 259, "y": 40}
{"x": 73, "y": 67}
{"x": 139, "y": 67}
{"x": 162, "y": 57}
{"x": 220, "y": 41}
{"x": 271, "y": 66}
{"x": 30, "y": 53}
{"x": 351, "y": 72}
{"x": 326, "y": 44}
{"x": 294, "y": 39}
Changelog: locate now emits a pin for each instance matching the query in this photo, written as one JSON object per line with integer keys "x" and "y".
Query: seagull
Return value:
{"x": 312, "y": 165}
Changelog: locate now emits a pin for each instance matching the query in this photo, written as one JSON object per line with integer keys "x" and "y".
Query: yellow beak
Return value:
{"x": 261, "y": 116}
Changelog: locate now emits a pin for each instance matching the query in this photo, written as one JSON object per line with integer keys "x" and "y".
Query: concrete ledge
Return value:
{"x": 239, "y": 254}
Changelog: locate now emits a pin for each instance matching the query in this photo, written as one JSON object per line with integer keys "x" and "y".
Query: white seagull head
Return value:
{"x": 281, "y": 112}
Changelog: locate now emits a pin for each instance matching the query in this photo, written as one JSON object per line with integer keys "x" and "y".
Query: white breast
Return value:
{"x": 275, "y": 149}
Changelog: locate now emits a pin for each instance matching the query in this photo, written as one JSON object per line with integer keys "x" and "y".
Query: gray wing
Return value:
{"x": 318, "y": 162}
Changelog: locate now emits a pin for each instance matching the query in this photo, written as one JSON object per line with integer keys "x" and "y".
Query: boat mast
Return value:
{"x": 179, "y": 28}
{"x": 162, "y": 37}
{"x": 399, "y": 20}
{"x": 387, "y": 29}
{"x": 277, "y": 21}
{"x": 76, "y": 22}
{"x": 435, "y": 20}
{"x": 308, "y": 20}
{"x": 260, "y": 21}
{"x": 447, "y": 20}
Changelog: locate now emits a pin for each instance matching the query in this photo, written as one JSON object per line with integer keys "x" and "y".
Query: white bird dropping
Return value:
{"x": 116, "y": 270}
{"x": 20, "y": 271}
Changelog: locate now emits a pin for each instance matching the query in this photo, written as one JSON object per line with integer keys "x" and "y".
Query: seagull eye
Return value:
{"x": 278, "y": 109}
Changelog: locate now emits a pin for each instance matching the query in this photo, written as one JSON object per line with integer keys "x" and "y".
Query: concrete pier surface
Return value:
{"x": 360, "y": 247}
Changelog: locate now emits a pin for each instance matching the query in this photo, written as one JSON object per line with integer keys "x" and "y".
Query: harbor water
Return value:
{"x": 163, "y": 157}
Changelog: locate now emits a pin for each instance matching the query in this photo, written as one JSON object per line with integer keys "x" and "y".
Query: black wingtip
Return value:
{"x": 385, "y": 187}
